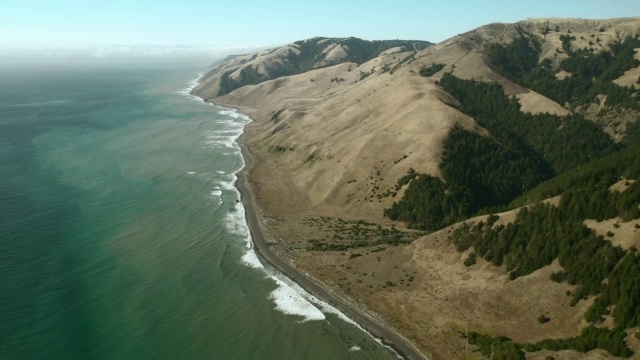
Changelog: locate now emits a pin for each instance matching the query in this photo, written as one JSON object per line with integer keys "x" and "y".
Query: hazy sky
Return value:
{"x": 261, "y": 23}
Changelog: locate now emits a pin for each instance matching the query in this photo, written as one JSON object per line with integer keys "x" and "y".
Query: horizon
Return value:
{"x": 161, "y": 29}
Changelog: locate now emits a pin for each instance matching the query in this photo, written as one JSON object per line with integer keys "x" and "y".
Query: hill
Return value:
{"x": 299, "y": 57}
{"x": 378, "y": 175}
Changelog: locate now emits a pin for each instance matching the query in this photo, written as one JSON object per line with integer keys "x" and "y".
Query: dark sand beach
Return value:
{"x": 376, "y": 327}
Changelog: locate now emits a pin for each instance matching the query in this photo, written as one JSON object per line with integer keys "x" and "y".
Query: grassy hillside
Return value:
{"x": 486, "y": 172}
{"x": 528, "y": 158}
{"x": 591, "y": 73}
{"x": 598, "y": 268}
{"x": 450, "y": 132}
{"x": 311, "y": 54}
{"x": 523, "y": 150}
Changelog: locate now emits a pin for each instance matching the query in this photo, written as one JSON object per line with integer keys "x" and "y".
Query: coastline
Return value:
{"x": 389, "y": 337}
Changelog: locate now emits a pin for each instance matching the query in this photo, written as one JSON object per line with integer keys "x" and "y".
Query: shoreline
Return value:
{"x": 374, "y": 326}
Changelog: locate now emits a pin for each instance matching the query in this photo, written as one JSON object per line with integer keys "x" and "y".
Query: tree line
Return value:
{"x": 542, "y": 233}
{"x": 485, "y": 173}
{"x": 528, "y": 158}
{"x": 591, "y": 73}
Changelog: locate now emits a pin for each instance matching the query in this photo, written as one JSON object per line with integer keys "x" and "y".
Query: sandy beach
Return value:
{"x": 376, "y": 327}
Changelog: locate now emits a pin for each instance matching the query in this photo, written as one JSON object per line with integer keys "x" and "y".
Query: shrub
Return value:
{"x": 471, "y": 260}
{"x": 543, "y": 319}
{"x": 427, "y": 71}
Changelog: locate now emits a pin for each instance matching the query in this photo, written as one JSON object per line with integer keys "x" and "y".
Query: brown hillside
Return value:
{"x": 331, "y": 142}
{"x": 345, "y": 133}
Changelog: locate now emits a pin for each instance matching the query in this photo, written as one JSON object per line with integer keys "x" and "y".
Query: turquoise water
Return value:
{"x": 120, "y": 233}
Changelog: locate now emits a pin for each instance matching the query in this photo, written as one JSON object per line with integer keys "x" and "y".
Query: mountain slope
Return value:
{"x": 341, "y": 140}
{"x": 341, "y": 115}
{"x": 296, "y": 58}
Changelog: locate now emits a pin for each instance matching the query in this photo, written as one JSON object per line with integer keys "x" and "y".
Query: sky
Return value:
{"x": 110, "y": 27}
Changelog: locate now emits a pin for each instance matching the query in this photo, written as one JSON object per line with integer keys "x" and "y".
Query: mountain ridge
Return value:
{"x": 298, "y": 57}
{"x": 337, "y": 145}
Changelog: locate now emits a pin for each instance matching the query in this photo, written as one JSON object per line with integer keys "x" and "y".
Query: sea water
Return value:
{"x": 121, "y": 236}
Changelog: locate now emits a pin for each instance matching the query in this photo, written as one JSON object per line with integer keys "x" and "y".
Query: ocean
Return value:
{"x": 121, "y": 234}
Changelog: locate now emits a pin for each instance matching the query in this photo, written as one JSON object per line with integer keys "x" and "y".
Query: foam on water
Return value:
{"x": 289, "y": 301}
{"x": 236, "y": 224}
{"x": 230, "y": 112}
{"x": 44, "y": 103}
{"x": 292, "y": 299}
{"x": 218, "y": 140}
{"x": 325, "y": 308}
{"x": 227, "y": 184}
{"x": 216, "y": 195}
{"x": 190, "y": 86}
{"x": 289, "y": 297}
{"x": 251, "y": 260}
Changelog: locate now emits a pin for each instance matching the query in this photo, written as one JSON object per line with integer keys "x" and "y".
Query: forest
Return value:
{"x": 249, "y": 75}
{"x": 485, "y": 173}
{"x": 527, "y": 159}
{"x": 591, "y": 73}
{"x": 542, "y": 233}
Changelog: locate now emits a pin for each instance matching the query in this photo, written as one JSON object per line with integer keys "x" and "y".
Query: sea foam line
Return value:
{"x": 289, "y": 297}
{"x": 190, "y": 86}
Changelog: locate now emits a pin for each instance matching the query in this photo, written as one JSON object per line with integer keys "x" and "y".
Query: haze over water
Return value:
{"x": 120, "y": 232}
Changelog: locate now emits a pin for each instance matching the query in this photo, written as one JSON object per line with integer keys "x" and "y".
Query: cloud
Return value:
{"x": 118, "y": 52}
{"x": 113, "y": 51}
